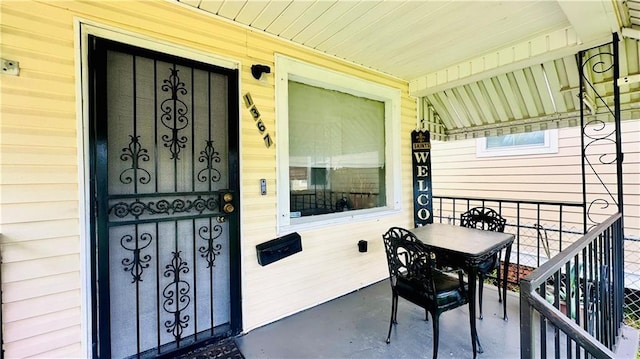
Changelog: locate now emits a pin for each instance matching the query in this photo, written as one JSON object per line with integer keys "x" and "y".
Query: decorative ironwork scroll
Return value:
{"x": 176, "y": 296}
{"x": 174, "y": 114}
{"x": 139, "y": 262}
{"x": 135, "y": 153}
{"x": 596, "y": 133}
{"x": 137, "y": 208}
{"x": 599, "y": 140}
{"x": 212, "y": 250}
{"x": 210, "y": 156}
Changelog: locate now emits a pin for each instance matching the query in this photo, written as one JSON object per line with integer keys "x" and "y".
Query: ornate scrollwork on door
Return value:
{"x": 176, "y": 296}
{"x": 211, "y": 250}
{"x": 139, "y": 262}
{"x": 137, "y": 208}
{"x": 209, "y": 156}
{"x": 174, "y": 114}
{"x": 135, "y": 153}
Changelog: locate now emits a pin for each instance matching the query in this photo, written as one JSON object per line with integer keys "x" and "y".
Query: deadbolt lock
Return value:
{"x": 226, "y": 201}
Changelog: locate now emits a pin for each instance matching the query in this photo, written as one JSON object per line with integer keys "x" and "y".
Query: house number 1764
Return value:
{"x": 248, "y": 102}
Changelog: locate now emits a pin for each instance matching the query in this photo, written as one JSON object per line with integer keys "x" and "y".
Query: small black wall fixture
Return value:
{"x": 258, "y": 70}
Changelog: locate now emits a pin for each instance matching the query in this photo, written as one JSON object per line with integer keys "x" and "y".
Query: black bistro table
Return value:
{"x": 467, "y": 248}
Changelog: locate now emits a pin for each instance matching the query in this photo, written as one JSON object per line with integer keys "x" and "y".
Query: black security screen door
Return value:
{"x": 164, "y": 171}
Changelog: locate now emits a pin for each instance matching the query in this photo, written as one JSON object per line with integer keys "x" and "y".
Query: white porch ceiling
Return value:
{"x": 478, "y": 64}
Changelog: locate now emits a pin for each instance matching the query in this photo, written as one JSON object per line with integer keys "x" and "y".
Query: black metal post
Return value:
{"x": 582, "y": 148}
{"x": 616, "y": 99}
{"x": 618, "y": 247}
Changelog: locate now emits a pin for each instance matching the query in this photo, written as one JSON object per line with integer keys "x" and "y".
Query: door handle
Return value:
{"x": 226, "y": 202}
{"x": 228, "y": 208}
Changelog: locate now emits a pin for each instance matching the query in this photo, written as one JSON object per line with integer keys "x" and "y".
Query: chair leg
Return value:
{"x": 499, "y": 282}
{"x": 436, "y": 320}
{"x": 480, "y": 286}
{"x": 394, "y": 308}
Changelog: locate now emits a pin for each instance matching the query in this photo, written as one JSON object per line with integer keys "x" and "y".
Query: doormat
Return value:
{"x": 226, "y": 349}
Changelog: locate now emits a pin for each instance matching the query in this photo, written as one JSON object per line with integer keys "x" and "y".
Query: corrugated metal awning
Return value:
{"x": 537, "y": 97}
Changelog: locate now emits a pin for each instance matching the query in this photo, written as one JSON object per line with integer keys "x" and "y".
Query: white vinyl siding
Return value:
{"x": 45, "y": 254}
{"x": 458, "y": 172}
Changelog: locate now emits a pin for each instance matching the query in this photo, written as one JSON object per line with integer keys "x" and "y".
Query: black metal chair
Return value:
{"x": 413, "y": 276}
{"x": 488, "y": 220}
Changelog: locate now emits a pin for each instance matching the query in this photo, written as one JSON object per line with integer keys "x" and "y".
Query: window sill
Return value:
{"x": 320, "y": 221}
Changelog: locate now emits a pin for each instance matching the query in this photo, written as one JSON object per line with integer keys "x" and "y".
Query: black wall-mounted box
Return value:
{"x": 276, "y": 249}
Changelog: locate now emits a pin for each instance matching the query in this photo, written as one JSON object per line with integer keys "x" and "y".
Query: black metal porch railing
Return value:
{"x": 576, "y": 298}
{"x": 542, "y": 228}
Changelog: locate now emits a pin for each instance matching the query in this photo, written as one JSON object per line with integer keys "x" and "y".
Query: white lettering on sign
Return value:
{"x": 423, "y": 171}
{"x": 423, "y": 186}
{"x": 423, "y": 199}
{"x": 424, "y": 214}
{"x": 421, "y": 157}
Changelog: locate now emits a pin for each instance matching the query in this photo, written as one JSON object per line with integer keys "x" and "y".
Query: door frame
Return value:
{"x": 83, "y": 29}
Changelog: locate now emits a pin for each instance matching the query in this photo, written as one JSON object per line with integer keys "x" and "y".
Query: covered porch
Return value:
{"x": 464, "y": 71}
{"x": 585, "y": 275}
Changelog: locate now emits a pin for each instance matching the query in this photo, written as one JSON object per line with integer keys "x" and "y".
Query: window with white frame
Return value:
{"x": 337, "y": 144}
{"x": 528, "y": 143}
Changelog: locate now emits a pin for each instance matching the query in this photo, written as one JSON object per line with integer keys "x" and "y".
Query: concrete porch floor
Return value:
{"x": 355, "y": 326}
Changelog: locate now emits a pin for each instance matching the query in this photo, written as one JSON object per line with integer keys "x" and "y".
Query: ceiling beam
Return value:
{"x": 631, "y": 33}
{"x": 542, "y": 48}
{"x": 591, "y": 19}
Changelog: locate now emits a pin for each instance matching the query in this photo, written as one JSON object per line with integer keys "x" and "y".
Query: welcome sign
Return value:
{"x": 422, "y": 195}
